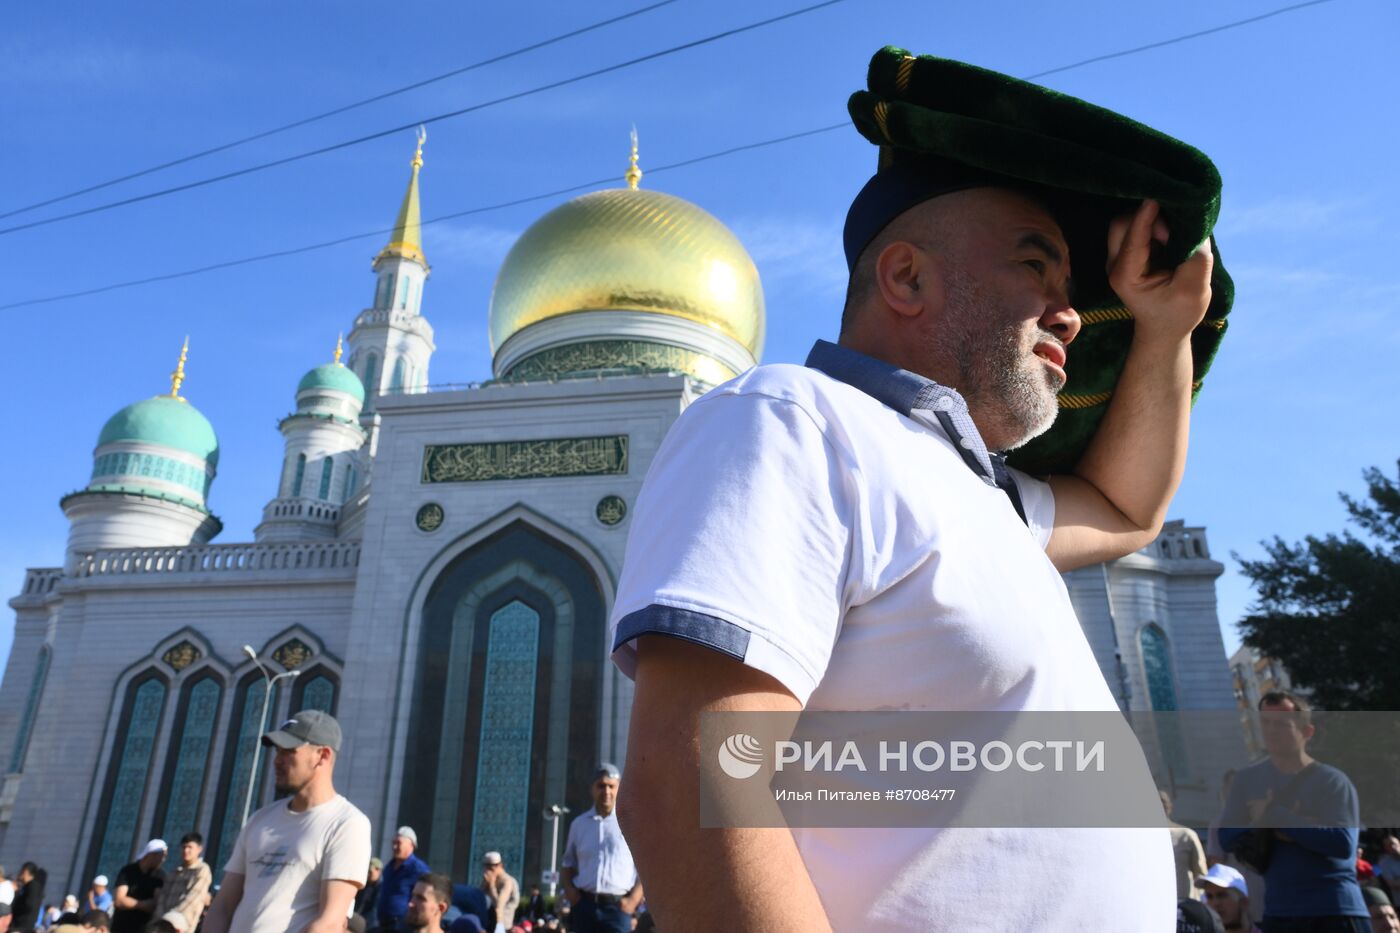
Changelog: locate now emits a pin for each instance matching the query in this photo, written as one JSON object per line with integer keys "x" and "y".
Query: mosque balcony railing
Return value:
{"x": 41, "y": 581}
{"x": 1178, "y": 542}
{"x": 302, "y": 509}
{"x": 592, "y": 375}
{"x": 319, "y": 558}
{"x": 1178, "y": 549}
{"x": 401, "y": 318}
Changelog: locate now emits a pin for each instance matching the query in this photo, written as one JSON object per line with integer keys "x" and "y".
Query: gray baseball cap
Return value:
{"x": 308, "y": 727}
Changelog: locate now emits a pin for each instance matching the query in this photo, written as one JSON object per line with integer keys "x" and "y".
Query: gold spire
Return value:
{"x": 177, "y": 378}
{"x": 339, "y": 348}
{"x": 634, "y": 174}
{"x": 407, "y": 239}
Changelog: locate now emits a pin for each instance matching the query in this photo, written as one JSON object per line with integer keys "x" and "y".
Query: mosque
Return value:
{"x": 435, "y": 567}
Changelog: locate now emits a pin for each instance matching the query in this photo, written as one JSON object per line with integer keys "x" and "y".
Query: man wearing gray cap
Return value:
{"x": 600, "y": 879}
{"x": 298, "y": 861}
{"x": 398, "y": 878}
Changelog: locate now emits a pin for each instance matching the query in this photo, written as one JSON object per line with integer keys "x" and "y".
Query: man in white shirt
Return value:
{"x": 845, "y": 535}
{"x": 299, "y": 861}
{"x": 600, "y": 879}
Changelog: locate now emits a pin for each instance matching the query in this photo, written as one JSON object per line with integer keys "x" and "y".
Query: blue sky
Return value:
{"x": 1297, "y": 111}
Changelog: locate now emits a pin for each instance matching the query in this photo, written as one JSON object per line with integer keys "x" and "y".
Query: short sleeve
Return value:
{"x": 238, "y": 859}
{"x": 570, "y": 859}
{"x": 348, "y": 851}
{"x": 1038, "y": 500}
{"x": 741, "y": 540}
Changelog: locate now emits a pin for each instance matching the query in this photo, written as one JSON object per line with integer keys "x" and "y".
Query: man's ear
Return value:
{"x": 909, "y": 279}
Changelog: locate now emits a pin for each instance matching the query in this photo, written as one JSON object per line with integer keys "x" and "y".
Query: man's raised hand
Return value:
{"x": 1167, "y": 304}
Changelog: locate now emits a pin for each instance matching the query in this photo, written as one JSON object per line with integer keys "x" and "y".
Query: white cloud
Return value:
{"x": 86, "y": 63}
{"x": 1268, "y": 277}
{"x": 795, "y": 251}
{"x": 1293, "y": 216}
{"x": 470, "y": 244}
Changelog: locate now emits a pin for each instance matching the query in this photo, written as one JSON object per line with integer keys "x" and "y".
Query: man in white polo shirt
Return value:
{"x": 846, "y": 536}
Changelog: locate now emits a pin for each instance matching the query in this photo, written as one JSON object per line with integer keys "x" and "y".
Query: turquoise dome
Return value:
{"x": 333, "y": 376}
{"x": 164, "y": 421}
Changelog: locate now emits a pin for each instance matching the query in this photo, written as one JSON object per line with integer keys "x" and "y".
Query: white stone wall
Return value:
{"x": 400, "y": 562}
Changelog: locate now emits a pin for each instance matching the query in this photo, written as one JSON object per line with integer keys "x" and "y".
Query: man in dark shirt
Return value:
{"x": 367, "y": 898}
{"x": 134, "y": 896}
{"x": 1306, "y": 815}
{"x": 29, "y": 897}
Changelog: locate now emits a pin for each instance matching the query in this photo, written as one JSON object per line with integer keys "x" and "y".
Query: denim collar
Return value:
{"x": 913, "y": 396}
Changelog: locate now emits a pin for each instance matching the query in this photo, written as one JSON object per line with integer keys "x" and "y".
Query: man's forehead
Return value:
{"x": 1005, "y": 212}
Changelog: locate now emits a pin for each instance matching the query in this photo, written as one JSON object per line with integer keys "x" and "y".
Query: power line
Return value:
{"x": 1190, "y": 35}
{"x": 747, "y": 147}
{"x": 326, "y": 244}
{"x": 237, "y": 173}
{"x": 339, "y": 110}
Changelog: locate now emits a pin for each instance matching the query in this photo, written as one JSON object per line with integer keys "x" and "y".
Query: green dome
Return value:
{"x": 333, "y": 376}
{"x": 167, "y": 422}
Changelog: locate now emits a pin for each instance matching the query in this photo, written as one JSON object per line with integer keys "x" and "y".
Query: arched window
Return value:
{"x": 317, "y": 688}
{"x": 1161, "y": 693}
{"x": 327, "y": 471}
{"x": 244, "y": 734}
{"x": 381, "y": 296}
{"x": 371, "y": 378}
{"x": 187, "y": 761}
{"x": 347, "y": 483}
{"x": 128, "y": 773}
{"x": 31, "y": 709}
{"x": 1156, "y": 661}
{"x": 396, "y": 381}
{"x": 300, "y": 474}
{"x": 403, "y": 291}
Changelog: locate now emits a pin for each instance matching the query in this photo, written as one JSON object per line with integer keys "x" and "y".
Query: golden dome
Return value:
{"x": 625, "y": 249}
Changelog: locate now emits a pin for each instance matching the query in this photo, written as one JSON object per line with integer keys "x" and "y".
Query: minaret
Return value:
{"x": 391, "y": 342}
{"x": 151, "y": 472}
{"x": 321, "y": 470}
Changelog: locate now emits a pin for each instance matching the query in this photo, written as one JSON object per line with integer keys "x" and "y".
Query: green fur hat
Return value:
{"x": 944, "y": 126}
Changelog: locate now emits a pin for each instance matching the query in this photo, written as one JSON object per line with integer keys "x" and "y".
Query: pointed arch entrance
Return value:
{"x": 507, "y": 700}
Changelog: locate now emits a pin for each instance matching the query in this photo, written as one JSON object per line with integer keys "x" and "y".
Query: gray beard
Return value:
{"x": 999, "y": 375}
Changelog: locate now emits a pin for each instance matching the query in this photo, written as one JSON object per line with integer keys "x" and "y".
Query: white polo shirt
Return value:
{"x": 838, "y": 526}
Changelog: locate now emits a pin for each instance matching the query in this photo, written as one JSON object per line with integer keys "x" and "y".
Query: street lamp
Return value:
{"x": 268, "y": 680}
{"x": 552, "y": 813}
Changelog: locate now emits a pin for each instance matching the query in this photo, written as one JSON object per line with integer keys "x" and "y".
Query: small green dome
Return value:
{"x": 167, "y": 422}
{"x": 333, "y": 376}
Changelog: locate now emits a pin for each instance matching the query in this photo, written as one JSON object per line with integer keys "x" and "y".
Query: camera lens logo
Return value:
{"x": 741, "y": 756}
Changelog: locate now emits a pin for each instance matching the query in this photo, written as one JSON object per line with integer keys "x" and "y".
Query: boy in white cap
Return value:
{"x": 98, "y": 897}
{"x": 298, "y": 861}
{"x": 1225, "y": 892}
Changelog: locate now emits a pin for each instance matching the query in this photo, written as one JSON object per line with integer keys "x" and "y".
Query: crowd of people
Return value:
{"x": 304, "y": 863}
{"x": 1286, "y": 850}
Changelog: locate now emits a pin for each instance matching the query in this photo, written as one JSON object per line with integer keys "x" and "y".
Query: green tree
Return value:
{"x": 1328, "y": 608}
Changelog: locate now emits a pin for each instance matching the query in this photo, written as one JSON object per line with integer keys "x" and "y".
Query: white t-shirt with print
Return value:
{"x": 796, "y": 523}
{"x": 285, "y": 857}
